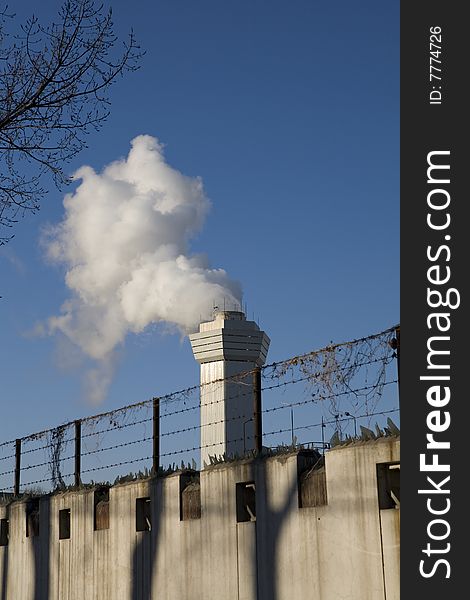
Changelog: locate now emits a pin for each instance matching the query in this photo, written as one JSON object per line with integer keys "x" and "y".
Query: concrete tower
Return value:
{"x": 225, "y": 347}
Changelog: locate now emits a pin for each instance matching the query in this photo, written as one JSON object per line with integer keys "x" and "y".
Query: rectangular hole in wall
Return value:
{"x": 190, "y": 497}
{"x": 32, "y": 517}
{"x": 388, "y": 485}
{"x": 64, "y": 524}
{"x": 246, "y": 501}
{"x": 312, "y": 485}
{"x": 143, "y": 520}
{"x": 4, "y": 532}
{"x": 101, "y": 509}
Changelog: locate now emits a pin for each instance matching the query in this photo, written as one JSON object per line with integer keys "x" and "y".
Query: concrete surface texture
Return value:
{"x": 251, "y": 542}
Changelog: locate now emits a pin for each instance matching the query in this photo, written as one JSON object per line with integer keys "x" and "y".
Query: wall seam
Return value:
{"x": 382, "y": 554}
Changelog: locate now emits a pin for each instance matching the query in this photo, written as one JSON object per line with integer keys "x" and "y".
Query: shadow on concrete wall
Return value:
{"x": 41, "y": 551}
{"x": 269, "y": 526}
{"x": 5, "y": 563}
{"x": 145, "y": 552}
{"x": 268, "y": 533}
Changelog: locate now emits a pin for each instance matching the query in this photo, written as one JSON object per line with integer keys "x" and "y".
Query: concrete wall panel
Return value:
{"x": 345, "y": 549}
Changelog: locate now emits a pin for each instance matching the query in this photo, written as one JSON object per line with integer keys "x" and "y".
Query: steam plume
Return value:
{"x": 124, "y": 243}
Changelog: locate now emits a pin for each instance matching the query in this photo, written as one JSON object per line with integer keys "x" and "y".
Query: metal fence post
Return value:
{"x": 398, "y": 360}
{"x": 395, "y": 344}
{"x": 17, "y": 466}
{"x": 257, "y": 418}
{"x": 78, "y": 451}
{"x": 156, "y": 436}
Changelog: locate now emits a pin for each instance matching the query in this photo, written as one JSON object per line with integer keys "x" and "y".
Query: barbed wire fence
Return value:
{"x": 335, "y": 393}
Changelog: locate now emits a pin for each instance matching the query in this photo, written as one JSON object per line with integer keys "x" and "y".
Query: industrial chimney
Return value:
{"x": 226, "y": 347}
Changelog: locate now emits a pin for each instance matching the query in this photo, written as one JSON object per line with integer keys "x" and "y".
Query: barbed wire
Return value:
{"x": 279, "y": 367}
{"x": 7, "y": 457}
{"x": 332, "y": 422}
{"x": 187, "y": 409}
{"x": 28, "y": 483}
{"x": 200, "y": 426}
{"x": 266, "y": 410}
{"x": 355, "y": 371}
{"x": 7, "y": 472}
{"x": 45, "y": 447}
{"x": 228, "y": 398}
{"x": 119, "y": 427}
{"x": 37, "y": 465}
{"x": 116, "y": 446}
{"x": 232, "y": 441}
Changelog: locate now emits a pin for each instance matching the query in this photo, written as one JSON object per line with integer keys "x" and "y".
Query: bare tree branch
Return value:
{"x": 54, "y": 82}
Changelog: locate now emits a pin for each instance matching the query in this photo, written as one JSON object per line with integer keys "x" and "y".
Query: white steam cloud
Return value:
{"x": 124, "y": 242}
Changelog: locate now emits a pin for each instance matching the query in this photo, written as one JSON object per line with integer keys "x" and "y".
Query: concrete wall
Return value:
{"x": 345, "y": 550}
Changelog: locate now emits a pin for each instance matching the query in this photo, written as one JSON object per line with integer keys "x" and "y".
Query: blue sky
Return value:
{"x": 289, "y": 111}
